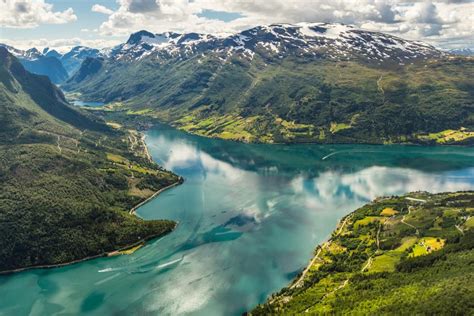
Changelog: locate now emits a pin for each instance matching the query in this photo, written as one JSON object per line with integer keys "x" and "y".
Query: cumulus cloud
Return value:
{"x": 101, "y": 9}
{"x": 432, "y": 21}
{"x": 31, "y": 13}
{"x": 140, "y": 6}
{"x": 425, "y": 15}
{"x": 62, "y": 44}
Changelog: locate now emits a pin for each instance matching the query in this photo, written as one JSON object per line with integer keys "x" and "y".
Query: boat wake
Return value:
{"x": 164, "y": 265}
{"x": 107, "y": 279}
{"x": 332, "y": 154}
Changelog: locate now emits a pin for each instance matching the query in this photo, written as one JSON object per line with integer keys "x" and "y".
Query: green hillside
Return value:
{"x": 292, "y": 99}
{"x": 68, "y": 180}
{"x": 397, "y": 255}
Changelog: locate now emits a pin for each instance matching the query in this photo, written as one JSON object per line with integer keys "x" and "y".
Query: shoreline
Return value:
{"x": 154, "y": 121}
{"x": 109, "y": 253}
{"x": 102, "y": 255}
{"x": 336, "y": 142}
{"x": 145, "y": 147}
{"x": 297, "y": 281}
{"x": 113, "y": 252}
{"x": 313, "y": 292}
{"x": 133, "y": 210}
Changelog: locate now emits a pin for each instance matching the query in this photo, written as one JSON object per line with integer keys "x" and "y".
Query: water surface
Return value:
{"x": 249, "y": 218}
{"x": 87, "y": 103}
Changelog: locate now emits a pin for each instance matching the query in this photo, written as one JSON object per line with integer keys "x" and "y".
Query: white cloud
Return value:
{"x": 101, "y": 9}
{"x": 369, "y": 183}
{"x": 62, "y": 44}
{"x": 434, "y": 21}
{"x": 31, "y": 13}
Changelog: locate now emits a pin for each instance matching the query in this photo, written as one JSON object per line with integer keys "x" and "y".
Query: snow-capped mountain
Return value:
{"x": 42, "y": 64}
{"x": 29, "y": 54}
{"x": 282, "y": 82}
{"x": 51, "y": 53}
{"x": 314, "y": 40}
{"x": 462, "y": 51}
{"x": 73, "y": 59}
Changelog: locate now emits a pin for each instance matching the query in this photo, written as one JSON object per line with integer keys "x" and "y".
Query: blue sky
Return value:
{"x": 101, "y": 23}
{"x": 86, "y": 19}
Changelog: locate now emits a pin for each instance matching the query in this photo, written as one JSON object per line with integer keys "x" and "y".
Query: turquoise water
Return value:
{"x": 87, "y": 103}
{"x": 249, "y": 218}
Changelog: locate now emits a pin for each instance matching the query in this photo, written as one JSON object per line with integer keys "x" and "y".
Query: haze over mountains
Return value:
{"x": 49, "y": 62}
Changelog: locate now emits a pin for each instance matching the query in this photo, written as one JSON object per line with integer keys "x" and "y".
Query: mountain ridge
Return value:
{"x": 36, "y": 62}
{"x": 58, "y": 67}
{"x": 289, "y": 83}
{"x": 73, "y": 59}
{"x": 335, "y": 40}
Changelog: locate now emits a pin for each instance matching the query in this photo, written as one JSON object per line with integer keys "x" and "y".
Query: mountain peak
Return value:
{"x": 462, "y": 51}
{"x": 33, "y": 50}
{"x": 33, "y": 53}
{"x": 332, "y": 41}
{"x": 135, "y": 38}
{"x": 4, "y": 54}
{"x": 48, "y": 52}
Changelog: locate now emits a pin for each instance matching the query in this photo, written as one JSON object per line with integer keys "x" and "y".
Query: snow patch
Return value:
{"x": 332, "y": 31}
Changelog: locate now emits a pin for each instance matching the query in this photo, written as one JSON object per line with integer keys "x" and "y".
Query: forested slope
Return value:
{"x": 67, "y": 180}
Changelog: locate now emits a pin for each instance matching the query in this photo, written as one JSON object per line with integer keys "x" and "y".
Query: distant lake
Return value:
{"x": 87, "y": 103}
{"x": 249, "y": 217}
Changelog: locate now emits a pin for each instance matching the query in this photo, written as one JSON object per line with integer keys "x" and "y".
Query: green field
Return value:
{"x": 293, "y": 99}
{"x": 469, "y": 223}
{"x": 380, "y": 265}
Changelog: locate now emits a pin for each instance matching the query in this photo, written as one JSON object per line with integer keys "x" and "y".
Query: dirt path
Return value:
{"x": 367, "y": 265}
{"x": 59, "y": 145}
{"x": 63, "y": 137}
{"x": 377, "y": 240}
{"x": 336, "y": 289}
{"x": 403, "y": 221}
{"x": 299, "y": 282}
{"x": 415, "y": 200}
{"x": 380, "y": 88}
{"x": 378, "y": 235}
{"x": 327, "y": 294}
{"x": 459, "y": 228}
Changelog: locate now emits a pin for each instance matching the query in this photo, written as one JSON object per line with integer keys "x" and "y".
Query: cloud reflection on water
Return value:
{"x": 242, "y": 211}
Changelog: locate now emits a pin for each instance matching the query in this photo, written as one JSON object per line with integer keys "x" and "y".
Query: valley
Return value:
{"x": 250, "y": 216}
{"x": 182, "y": 173}
{"x": 323, "y": 83}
